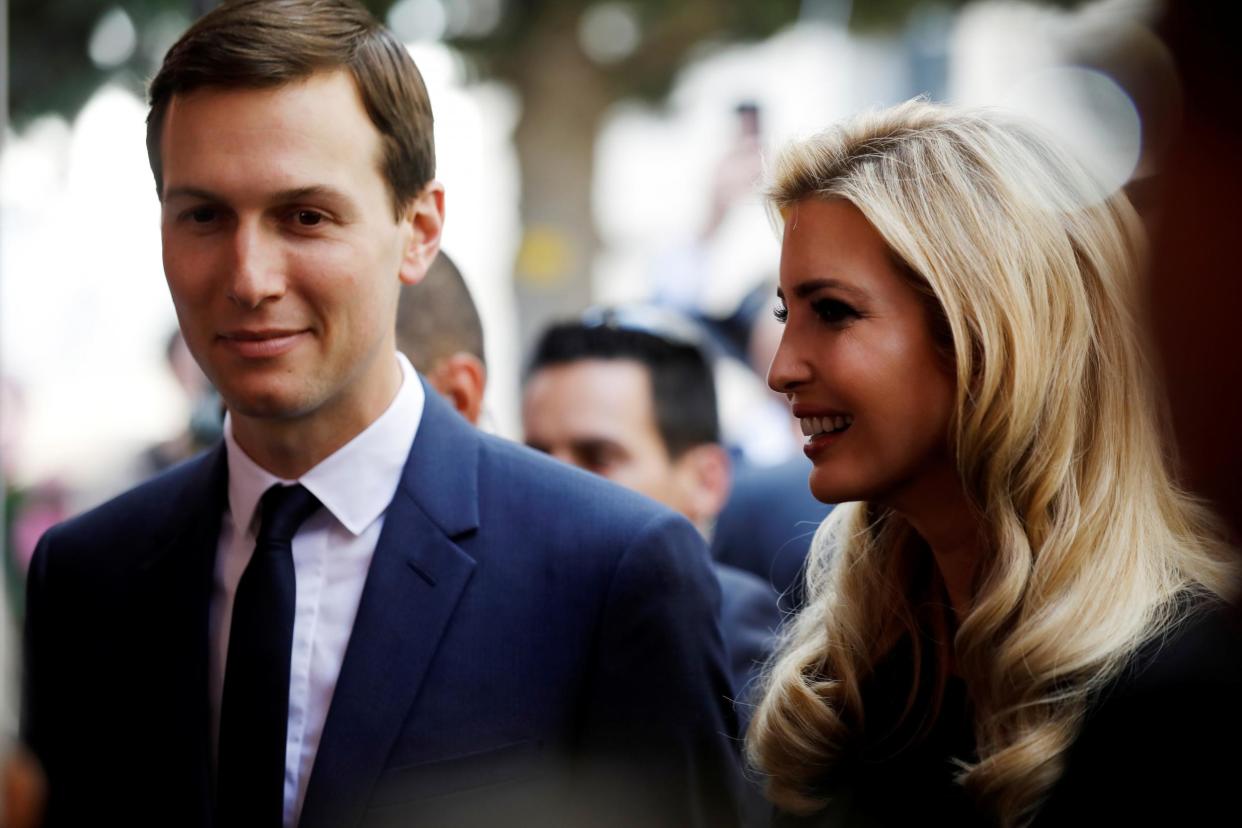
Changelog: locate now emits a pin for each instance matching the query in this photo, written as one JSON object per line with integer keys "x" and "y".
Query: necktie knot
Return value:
{"x": 283, "y": 510}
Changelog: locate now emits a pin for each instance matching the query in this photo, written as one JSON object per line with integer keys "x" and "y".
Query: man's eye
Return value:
{"x": 203, "y": 215}
{"x": 598, "y": 459}
{"x": 308, "y": 218}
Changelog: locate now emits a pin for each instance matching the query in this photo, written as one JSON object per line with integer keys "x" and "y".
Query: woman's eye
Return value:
{"x": 308, "y": 218}
{"x": 781, "y": 313}
{"x": 833, "y": 311}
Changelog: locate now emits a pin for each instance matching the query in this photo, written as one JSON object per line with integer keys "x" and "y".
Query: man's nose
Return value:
{"x": 258, "y": 267}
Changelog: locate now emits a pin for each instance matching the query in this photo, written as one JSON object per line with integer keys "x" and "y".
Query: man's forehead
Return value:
{"x": 601, "y": 377}
{"x": 310, "y": 94}
{"x": 304, "y": 133}
{"x": 603, "y": 398}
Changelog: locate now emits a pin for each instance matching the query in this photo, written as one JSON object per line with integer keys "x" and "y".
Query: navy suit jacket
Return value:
{"x": 533, "y": 646}
{"x": 767, "y": 525}
{"x": 749, "y": 621}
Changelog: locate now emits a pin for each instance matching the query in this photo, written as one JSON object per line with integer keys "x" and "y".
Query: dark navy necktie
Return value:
{"x": 254, "y": 710}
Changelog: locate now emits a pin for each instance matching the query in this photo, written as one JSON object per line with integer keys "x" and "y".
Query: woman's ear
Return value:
{"x": 423, "y": 222}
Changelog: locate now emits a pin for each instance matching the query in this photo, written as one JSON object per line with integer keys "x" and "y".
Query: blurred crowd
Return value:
{"x": 957, "y": 590}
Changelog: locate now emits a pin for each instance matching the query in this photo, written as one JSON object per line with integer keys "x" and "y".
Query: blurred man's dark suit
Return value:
{"x": 534, "y": 646}
{"x": 767, "y": 526}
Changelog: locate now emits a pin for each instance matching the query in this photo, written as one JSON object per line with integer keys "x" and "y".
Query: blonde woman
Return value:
{"x": 1021, "y": 617}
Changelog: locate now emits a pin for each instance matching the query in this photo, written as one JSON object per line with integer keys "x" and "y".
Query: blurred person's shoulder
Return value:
{"x": 1203, "y": 650}
{"x": 1167, "y": 726}
{"x": 1180, "y": 685}
{"x": 146, "y": 517}
{"x": 567, "y": 512}
{"x": 536, "y": 480}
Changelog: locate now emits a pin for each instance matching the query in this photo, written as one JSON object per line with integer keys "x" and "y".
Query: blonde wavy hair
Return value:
{"x": 1030, "y": 270}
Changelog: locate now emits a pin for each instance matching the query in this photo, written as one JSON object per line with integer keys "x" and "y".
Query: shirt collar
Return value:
{"x": 357, "y": 481}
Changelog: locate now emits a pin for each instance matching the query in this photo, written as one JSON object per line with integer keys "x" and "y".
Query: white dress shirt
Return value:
{"x": 332, "y": 552}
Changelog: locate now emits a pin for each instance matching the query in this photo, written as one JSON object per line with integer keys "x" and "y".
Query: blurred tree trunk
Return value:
{"x": 563, "y": 97}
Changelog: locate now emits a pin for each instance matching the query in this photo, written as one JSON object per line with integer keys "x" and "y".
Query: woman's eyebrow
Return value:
{"x": 805, "y": 289}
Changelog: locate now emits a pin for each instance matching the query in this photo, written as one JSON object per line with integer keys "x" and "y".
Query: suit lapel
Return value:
{"x": 172, "y": 595}
{"x": 416, "y": 579}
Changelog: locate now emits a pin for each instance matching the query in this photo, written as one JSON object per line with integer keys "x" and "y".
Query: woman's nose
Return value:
{"x": 788, "y": 369}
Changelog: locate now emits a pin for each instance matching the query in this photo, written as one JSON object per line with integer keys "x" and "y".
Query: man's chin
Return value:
{"x": 266, "y": 406}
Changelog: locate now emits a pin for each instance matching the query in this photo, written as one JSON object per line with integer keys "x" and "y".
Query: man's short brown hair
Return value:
{"x": 260, "y": 44}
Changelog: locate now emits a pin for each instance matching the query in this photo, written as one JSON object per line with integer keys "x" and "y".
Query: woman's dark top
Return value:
{"x": 1162, "y": 745}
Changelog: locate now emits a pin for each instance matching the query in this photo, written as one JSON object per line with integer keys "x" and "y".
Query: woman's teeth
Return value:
{"x": 813, "y": 426}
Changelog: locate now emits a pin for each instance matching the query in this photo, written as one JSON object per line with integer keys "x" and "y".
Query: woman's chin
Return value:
{"x": 829, "y": 489}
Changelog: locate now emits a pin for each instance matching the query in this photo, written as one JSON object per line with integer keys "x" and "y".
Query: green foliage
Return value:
{"x": 886, "y": 15}
{"x": 50, "y": 69}
{"x": 52, "y": 72}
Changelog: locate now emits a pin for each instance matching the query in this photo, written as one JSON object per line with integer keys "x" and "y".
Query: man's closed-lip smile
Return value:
{"x": 261, "y": 343}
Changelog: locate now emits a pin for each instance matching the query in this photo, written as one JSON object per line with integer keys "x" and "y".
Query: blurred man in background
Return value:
{"x": 638, "y": 406}
{"x": 439, "y": 331}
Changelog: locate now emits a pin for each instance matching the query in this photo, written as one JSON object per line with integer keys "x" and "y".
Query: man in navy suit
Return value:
{"x": 628, "y": 394}
{"x": 357, "y": 610}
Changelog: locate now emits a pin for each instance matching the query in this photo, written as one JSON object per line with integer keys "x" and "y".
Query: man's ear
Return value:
{"x": 703, "y": 477}
{"x": 462, "y": 378}
{"x": 424, "y": 219}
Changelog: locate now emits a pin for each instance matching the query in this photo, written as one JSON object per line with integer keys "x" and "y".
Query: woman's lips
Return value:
{"x": 261, "y": 344}
{"x": 821, "y": 442}
{"x": 821, "y": 428}
{"x": 815, "y": 425}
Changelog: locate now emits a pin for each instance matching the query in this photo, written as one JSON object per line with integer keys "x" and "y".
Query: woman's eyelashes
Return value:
{"x": 834, "y": 311}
